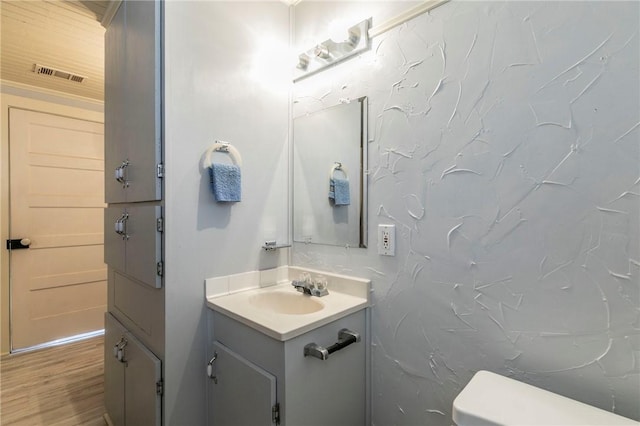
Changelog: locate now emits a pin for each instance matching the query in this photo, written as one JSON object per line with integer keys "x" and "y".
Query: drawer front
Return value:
{"x": 139, "y": 307}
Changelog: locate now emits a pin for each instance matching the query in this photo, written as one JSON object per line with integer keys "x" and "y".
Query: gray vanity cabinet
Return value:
{"x": 309, "y": 391}
{"x": 132, "y": 378}
{"x": 133, "y": 155}
{"x": 133, "y": 241}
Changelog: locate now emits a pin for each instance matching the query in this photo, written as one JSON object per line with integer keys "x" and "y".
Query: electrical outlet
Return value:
{"x": 387, "y": 240}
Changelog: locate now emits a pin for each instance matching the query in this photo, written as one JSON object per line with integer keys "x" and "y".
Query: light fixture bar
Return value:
{"x": 330, "y": 52}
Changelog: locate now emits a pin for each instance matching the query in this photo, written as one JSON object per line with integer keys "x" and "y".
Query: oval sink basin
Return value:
{"x": 282, "y": 302}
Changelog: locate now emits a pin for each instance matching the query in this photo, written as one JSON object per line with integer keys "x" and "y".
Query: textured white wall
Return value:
{"x": 504, "y": 145}
{"x": 221, "y": 73}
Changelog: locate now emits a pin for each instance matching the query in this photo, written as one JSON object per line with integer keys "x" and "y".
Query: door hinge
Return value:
{"x": 275, "y": 414}
{"x": 160, "y": 170}
{"x": 160, "y": 224}
{"x": 160, "y": 268}
{"x": 160, "y": 387}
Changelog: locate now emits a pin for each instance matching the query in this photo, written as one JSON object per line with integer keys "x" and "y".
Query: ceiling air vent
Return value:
{"x": 52, "y": 72}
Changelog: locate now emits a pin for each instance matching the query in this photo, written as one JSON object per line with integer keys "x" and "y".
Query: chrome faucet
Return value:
{"x": 306, "y": 285}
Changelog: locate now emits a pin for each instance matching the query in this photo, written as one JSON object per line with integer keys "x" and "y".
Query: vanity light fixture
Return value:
{"x": 331, "y": 51}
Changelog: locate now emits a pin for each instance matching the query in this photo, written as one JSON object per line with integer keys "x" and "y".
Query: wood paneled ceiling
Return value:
{"x": 64, "y": 35}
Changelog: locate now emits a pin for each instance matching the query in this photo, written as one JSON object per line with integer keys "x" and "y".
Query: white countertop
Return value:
{"x": 281, "y": 326}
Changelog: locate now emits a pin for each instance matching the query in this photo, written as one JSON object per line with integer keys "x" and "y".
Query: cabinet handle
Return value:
{"x": 121, "y": 226}
{"x": 121, "y": 173}
{"x": 118, "y": 349}
{"x": 210, "y": 368}
{"x": 345, "y": 338}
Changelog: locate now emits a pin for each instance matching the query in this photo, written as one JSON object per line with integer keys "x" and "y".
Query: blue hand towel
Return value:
{"x": 225, "y": 182}
{"x": 339, "y": 191}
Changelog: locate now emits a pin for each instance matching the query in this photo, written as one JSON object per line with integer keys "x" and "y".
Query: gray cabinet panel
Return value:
{"x": 113, "y": 371}
{"x": 144, "y": 245}
{"x": 243, "y": 394}
{"x": 132, "y": 107}
{"x": 115, "y": 151}
{"x": 140, "y": 308}
{"x": 142, "y": 107}
{"x": 143, "y": 400}
{"x": 114, "y": 243}
{"x": 337, "y": 383}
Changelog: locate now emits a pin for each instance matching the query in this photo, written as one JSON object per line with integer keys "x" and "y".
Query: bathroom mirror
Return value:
{"x": 329, "y": 156}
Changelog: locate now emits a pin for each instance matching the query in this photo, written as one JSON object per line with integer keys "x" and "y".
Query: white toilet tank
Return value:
{"x": 493, "y": 400}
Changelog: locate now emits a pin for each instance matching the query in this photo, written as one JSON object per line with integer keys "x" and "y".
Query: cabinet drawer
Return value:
{"x": 139, "y": 307}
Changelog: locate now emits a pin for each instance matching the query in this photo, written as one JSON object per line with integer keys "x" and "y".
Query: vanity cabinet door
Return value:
{"x": 243, "y": 394}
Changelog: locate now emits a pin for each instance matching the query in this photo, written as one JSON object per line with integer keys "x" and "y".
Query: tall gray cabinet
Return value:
{"x": 134, "y": 323}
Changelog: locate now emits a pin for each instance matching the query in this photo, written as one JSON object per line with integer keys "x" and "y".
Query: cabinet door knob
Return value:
{"x": 210, "y": 373}
{"x": 118, "y": 349}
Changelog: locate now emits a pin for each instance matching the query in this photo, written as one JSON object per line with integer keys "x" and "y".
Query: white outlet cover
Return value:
{"x": 387, "y": 240}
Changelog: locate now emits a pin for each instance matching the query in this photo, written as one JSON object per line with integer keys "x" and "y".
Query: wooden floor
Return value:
{"x": 57, "y": 386}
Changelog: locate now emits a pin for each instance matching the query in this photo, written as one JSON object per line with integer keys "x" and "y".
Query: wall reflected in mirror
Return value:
{"x": 329, "y": 180}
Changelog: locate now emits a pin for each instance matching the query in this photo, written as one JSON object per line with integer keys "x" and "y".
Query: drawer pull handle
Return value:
{"x": 345, "y": 338}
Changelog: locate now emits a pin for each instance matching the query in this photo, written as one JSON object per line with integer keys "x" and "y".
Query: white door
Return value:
{"x": 58, "y": 283}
